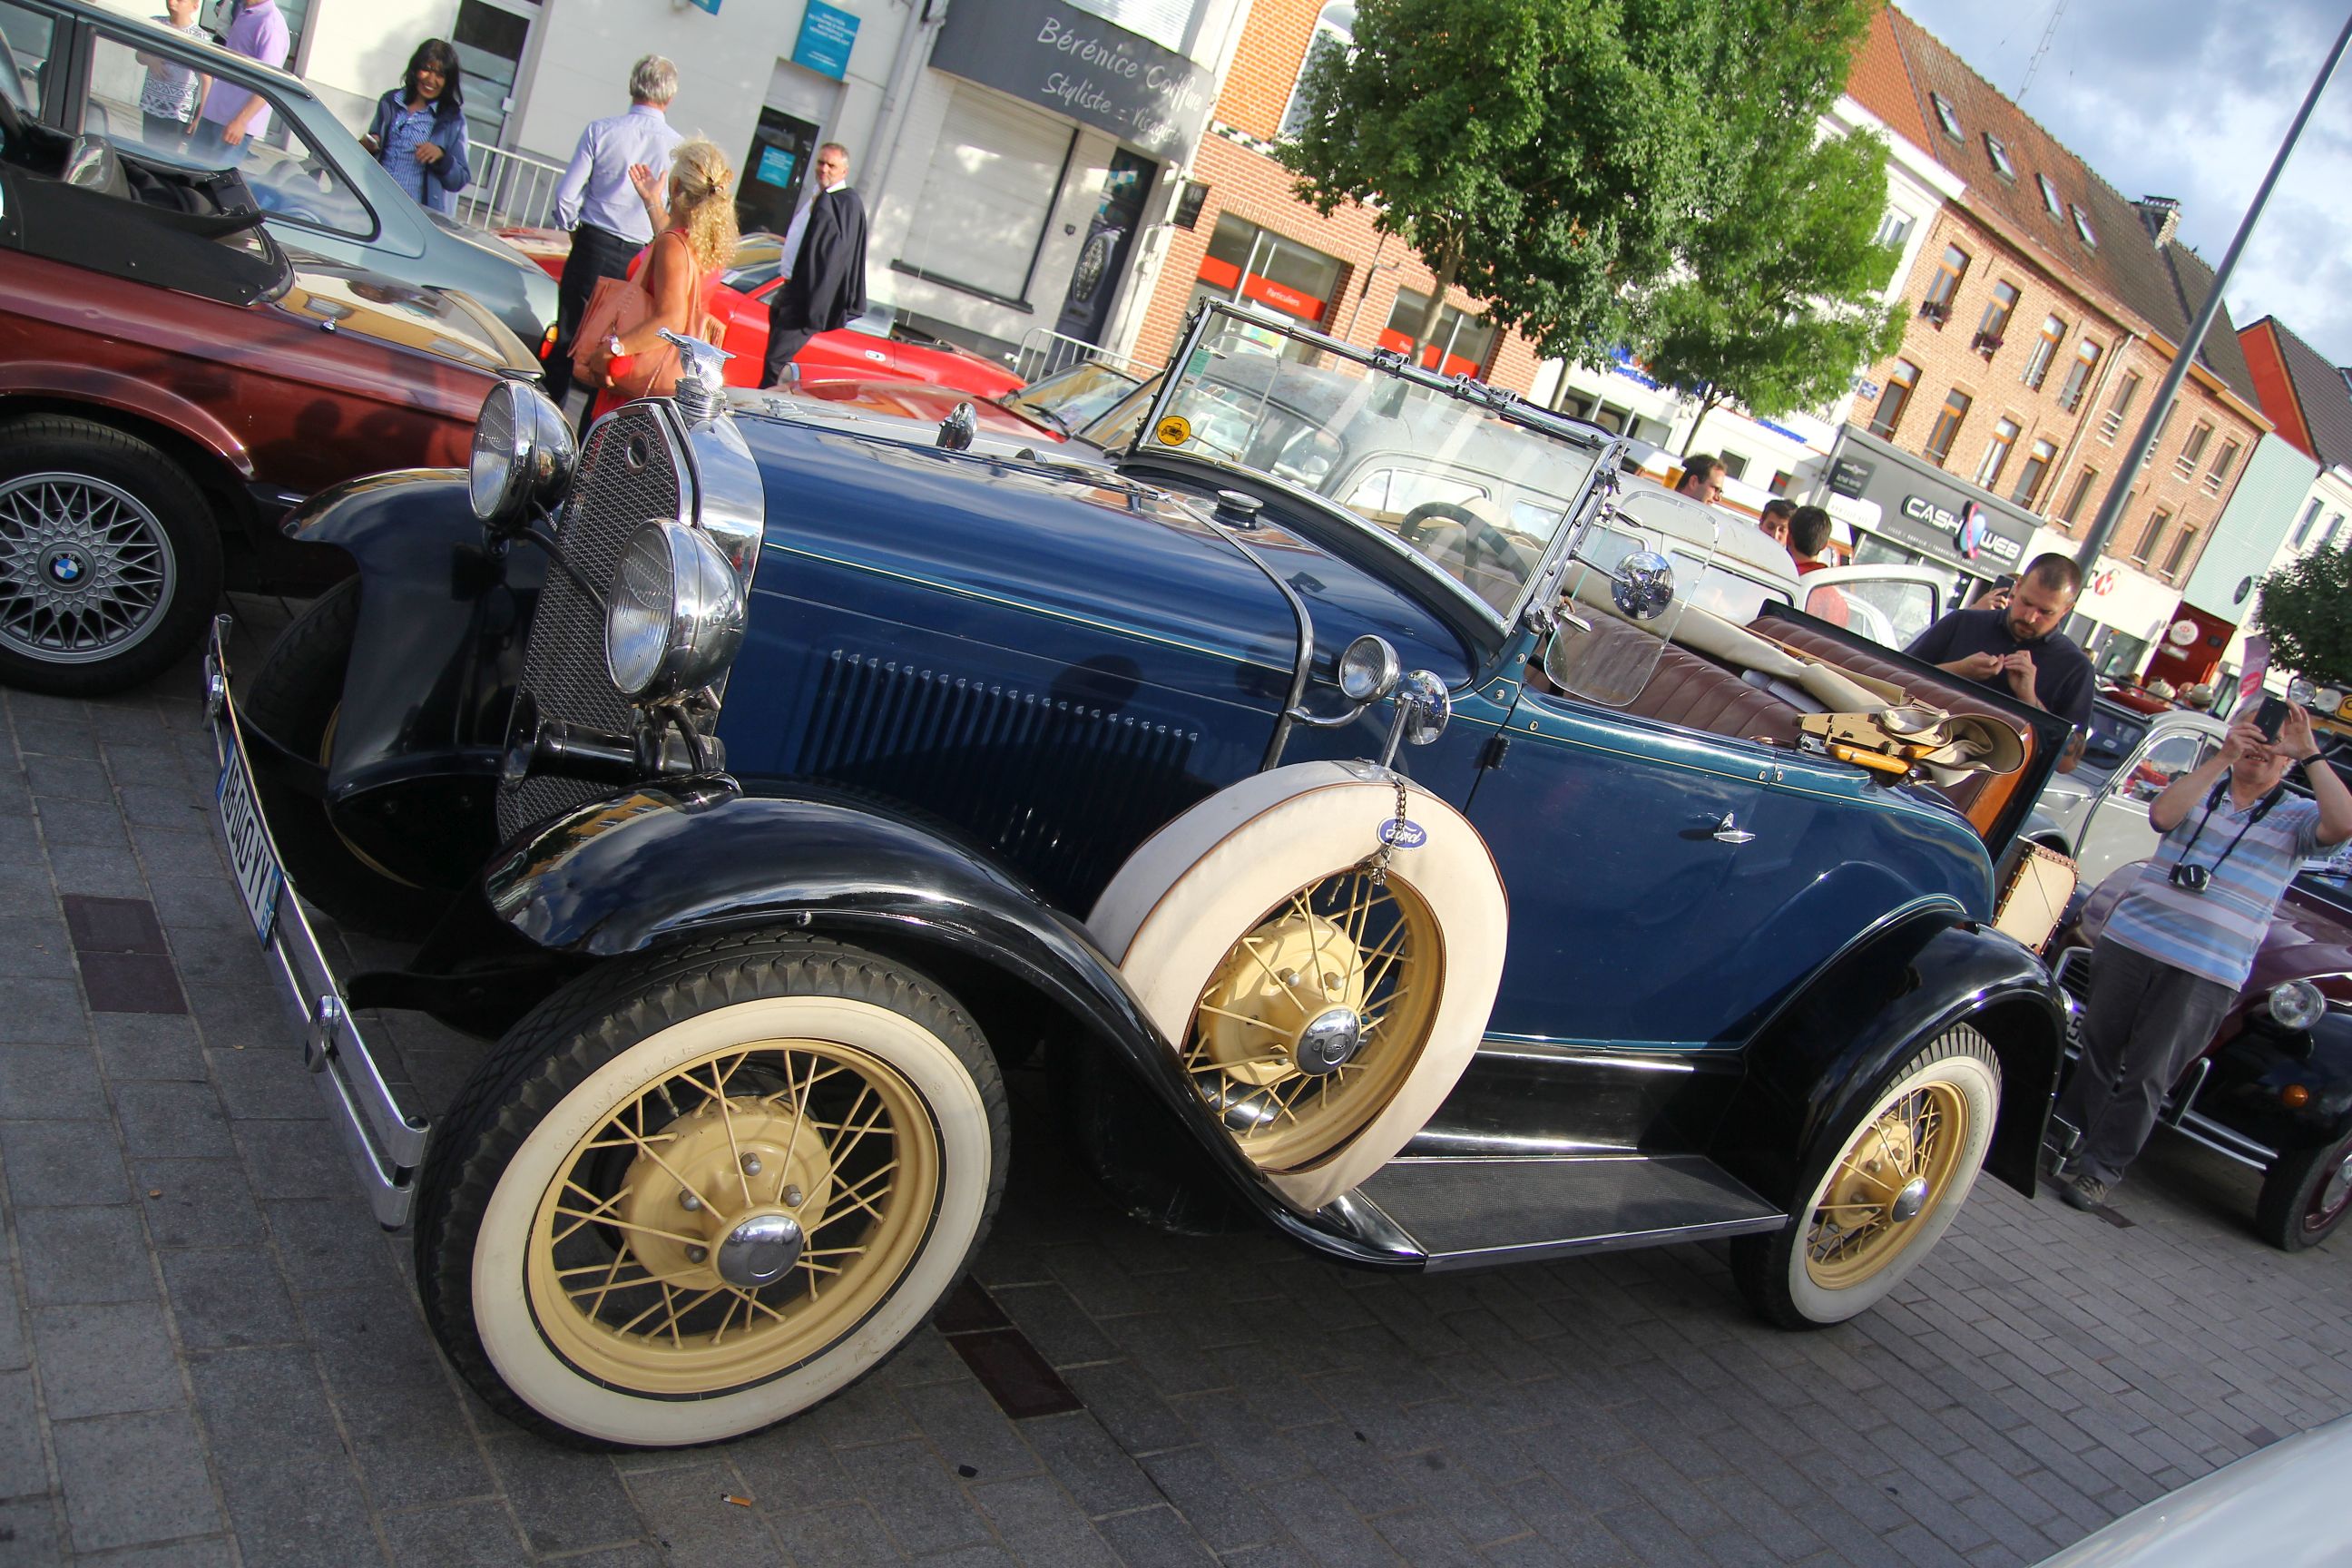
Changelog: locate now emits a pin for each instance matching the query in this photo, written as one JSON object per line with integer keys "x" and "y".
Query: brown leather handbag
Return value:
{"x": 618, "y": 307}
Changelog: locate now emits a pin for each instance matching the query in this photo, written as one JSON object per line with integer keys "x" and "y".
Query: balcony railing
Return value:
{"x": 510, "y": 190}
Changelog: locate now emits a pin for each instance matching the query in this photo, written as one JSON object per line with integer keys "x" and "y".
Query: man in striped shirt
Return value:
{"x": 2179, "y": 946}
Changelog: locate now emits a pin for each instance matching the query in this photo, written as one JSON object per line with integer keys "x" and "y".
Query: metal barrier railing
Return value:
{"x": 510, "y": 190}
{"x": 1043, "y": 352}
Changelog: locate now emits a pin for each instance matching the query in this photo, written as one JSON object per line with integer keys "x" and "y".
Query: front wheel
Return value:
{"x": 2305, "y": 1196}
{"x": 1881, "y": 1192}
{"x": 109, "y": 558}
{"x": 697, "y": 1193}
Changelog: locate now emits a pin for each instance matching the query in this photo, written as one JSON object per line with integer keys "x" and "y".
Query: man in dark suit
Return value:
{"x": 825, "y": 248}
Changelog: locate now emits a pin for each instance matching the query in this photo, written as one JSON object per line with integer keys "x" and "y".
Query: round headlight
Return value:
{"x": 2302, "y": 691}
{"x": 2326, "y": 700}
{"x": 522, "y": 450}
{"x": 675, "y": 613}
{"x": 1644, "y": 584}
{"x": 2296, "y": 1004}
{"x": 1368, "y": 670}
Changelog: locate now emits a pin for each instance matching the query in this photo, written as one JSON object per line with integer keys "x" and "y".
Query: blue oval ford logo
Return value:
{"x": 1403, "y": 833}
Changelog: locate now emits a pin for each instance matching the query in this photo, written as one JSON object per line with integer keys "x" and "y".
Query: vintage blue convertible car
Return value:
{"x": 1337, "y": 788}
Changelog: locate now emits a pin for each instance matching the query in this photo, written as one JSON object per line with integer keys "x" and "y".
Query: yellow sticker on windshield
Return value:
{"x": 1174, "y": 430}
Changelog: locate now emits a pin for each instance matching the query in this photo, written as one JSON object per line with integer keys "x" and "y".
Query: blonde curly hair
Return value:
{"x": 702, "y": 202}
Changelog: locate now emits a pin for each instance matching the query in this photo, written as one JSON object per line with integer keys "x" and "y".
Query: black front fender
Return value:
{"x": 1813, "y": 1067}
{"x": 434, "y": 663}
{"x": 687, "y": 857}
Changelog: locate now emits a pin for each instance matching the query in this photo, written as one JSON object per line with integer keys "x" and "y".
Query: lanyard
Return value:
{"x": 2262, "y": 808}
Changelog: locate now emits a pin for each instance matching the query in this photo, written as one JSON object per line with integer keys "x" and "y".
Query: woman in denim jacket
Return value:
{"x": 419, "y": 131}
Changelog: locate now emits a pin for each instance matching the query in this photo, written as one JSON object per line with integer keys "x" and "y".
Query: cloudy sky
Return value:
{"x": 2190, "y": 99}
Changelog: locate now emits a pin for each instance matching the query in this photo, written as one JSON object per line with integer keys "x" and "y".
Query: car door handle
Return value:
{"x": 1729, "y": 831}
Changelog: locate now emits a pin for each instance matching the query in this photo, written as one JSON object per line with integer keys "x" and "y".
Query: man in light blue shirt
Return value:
{"x": 599, "y": 202}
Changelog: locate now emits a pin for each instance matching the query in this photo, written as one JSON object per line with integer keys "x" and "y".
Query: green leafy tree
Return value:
{"x": 2303, "y": 614}
{"x": 1552, "y": 157}
{"x": 1777, "y": 303}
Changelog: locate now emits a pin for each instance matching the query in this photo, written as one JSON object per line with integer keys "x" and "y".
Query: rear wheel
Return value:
{"x": 109, "y": 558}
{"x": 697, "y": 1192}
{"x": 295, "y": 699}
{"x": 1881, "y": 1192}
{"x": 2305, "y": 1196}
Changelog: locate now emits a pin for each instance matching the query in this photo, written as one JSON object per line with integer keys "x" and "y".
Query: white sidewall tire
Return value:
{"x": 1979, "y": 1085}
{"x": 1189, "y": 892}
{"x": 502, "y": 1314}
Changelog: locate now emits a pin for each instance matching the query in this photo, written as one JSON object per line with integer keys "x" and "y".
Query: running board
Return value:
{"x": 1474, "y": 1213}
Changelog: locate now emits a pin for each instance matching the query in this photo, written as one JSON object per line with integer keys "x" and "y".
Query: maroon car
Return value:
{"x": 171, "y": 381}
{"x": 2273, "y": 1090}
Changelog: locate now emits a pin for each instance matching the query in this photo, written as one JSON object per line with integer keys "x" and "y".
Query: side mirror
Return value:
{"x": 1644, "y": 584}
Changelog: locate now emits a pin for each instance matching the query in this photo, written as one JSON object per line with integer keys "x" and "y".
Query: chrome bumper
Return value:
{"x": 386, "y": 1144}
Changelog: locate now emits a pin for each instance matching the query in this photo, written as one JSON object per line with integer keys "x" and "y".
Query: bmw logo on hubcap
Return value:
{"x": 67, "y": 568}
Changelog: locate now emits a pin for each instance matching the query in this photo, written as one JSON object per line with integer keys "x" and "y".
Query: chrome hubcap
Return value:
{"x": 85, "y": 568}
{"x": 2337, "y": 1188}
{"x": 1327, "y": 1041}
{"x": 1909, "y": 1201}
{"x": 760, "y": 1249}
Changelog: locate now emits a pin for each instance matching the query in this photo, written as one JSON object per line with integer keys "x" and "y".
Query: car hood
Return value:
{"x": 924, "y": 401}
{"x": 436, "y": 323}
{"x": 1091, "y": 547}
{"x": 2308, "y": 936}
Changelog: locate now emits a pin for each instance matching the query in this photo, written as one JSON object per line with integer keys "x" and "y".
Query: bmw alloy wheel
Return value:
{"x": 86, "y": 568}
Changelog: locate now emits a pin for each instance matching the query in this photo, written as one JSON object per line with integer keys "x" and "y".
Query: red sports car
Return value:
{"x": 876, "y": 346}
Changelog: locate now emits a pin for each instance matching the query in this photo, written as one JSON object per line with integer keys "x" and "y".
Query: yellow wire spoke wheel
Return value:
{"x": 1315, "y": 1016}
{"x": 736, "y": 1216}
{"x": 1897, "y": 1167}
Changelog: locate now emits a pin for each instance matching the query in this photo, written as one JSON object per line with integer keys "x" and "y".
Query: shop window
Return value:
{"x": 2078, "y": 375}
{"x": 1457, "y": 345}
{"x": 1900, "y": 384}
{"x": 2077, "y": 498}
{"x": 1996, "y": 453}
{"x": 2218, "y": 474}
{"x": 995, "y": 171}
{"x": 1936, "y": 307}
{"x": 2037, "y": 468}
{"x": 1335, "y": 34}
{"x": 2192, "y": 451}
{"x": 2111, "y": 423}
{"x": 2183, "y": 548}
{"x": 1994, "y": 322}
{"x": 1246, "y": 263}
{"x": 1947, "y": 429}
{"x": 2151, "y": 537}
{"x": 2046, "y": 352}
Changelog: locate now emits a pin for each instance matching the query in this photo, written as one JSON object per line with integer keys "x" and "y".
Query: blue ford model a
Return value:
{"x": 1385, "y": 825}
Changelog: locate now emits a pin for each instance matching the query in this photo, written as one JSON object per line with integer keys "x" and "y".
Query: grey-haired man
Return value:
{"x": 599, "y": 202}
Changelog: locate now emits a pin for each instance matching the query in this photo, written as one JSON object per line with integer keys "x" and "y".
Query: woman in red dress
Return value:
{"x": 695, "y": 243}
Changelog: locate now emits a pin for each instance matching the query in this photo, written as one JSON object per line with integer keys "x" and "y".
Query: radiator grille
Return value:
{"x": 629, "y": 473}
{"x": 2074, "y": 974}
{"x": 1061, "y": 789}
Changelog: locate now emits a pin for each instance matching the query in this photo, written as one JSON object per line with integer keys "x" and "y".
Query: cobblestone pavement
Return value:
{"x": 209, "y": 1354}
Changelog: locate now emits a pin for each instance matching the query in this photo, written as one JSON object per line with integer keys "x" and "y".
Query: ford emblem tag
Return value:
{"x": 1403, "y": 833}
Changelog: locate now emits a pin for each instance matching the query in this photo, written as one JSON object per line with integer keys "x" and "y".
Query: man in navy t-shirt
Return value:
{"x": 2019, "y": 651}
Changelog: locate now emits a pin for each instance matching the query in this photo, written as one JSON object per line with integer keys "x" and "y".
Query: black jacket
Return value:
{"x": 827, "y": 286}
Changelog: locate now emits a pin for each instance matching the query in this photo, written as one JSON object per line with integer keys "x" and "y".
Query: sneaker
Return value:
{"x": 2084, "y": 1193}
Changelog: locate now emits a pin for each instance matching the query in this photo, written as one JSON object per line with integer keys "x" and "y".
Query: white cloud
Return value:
{"x": 2186, "y": 99}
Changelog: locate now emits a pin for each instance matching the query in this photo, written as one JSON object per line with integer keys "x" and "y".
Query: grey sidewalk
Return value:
{"x": 208, "y": 1354}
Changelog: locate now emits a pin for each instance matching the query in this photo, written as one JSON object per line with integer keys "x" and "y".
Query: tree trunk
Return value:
{"x": 1449, "y": 263}
{"x": 1707, "y": 405}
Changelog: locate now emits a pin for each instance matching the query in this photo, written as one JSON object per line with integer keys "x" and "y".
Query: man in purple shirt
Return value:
{"x": 597, "y": 201}
{"x": 232, "y": 116}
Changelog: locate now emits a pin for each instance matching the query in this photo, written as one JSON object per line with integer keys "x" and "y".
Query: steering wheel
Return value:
{"x": 1477, "y": 535}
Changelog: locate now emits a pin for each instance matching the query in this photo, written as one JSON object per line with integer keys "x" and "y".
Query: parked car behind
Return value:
{"x": 1384, "y": 866}
{"x": 73, "y": 65}
{"x": 171, "y": 381}
{"x": 2274, "y": 1089}
{"x": 877, "y": 346}
{"x": 2097, "y": 815}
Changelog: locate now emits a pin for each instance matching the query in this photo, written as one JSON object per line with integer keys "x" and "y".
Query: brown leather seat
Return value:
{"x": 1979, "y": 794}
{"x": 1698, "y": 694}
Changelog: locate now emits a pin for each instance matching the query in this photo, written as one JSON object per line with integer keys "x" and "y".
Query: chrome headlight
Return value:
{"x": 1368, "y": 670}
{"x": 2296, "y": 1004}
{"x": 676, "y": 615}
{"x": 1644, "y": 584}
{"x": 523, "y": 450}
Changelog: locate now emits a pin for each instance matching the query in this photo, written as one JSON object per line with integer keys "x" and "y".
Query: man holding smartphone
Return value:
{"x": 2178, "y": 948}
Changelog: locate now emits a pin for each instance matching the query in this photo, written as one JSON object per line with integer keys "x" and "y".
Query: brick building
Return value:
{"x": 1240, "y": 233}
{"x": 2045, "y": 310}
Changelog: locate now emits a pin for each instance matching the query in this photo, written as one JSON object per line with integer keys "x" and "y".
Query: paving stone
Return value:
{"x": 468, "y": 1535}
{"x": 566, "y": 1501}
{"x": 42, "y": 1082}
{"x": 54, "y": 1163}
{"x": 74, "y": 1255}
{"x": 99, "y": 870}
{"x": 135, "y": 1046}
{"x": 1153, "y": 1538}
{"x": 845, "y": 1535}
{"x": 227, "y": 1298}
{"x": 134, "y": 1479}
{"x": 198, "y": 1202}
{"x": 1039, "y": 1523}
{"x": 177, "y": 1121}
{"x": 1214, "y": 1500}
{"x": 920, "y": 1503}
{"x": 295, "y": 1159}
{"x": 28, "y": 1532}
{"x": 23, "y": 1468}
{"x": 686, "y": 1512}
{"x": 400, "y": 1407}
{"x": 206, "y": 1552}
{"x": 106, "y": 1359}
{"x": 1090, "y": 1466}
{"x": 265, "y": 1085}
{"x": 92, "y": 822}
{"x": 968, "y": 1429}
{"x": 330, "y": 1244}
{"x": 67, "y": 778}
{"x": 291, "y": 1494}
{"x": 38, "y": 947}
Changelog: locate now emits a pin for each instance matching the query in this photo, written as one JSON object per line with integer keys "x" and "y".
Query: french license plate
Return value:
{"x": 259, "y": 877}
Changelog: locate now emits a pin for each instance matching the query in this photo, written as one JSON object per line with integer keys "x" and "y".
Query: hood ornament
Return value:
{"x": 701, "y": 393}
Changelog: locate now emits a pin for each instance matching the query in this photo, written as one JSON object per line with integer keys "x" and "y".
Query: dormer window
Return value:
{"x": 2050, "y": 195}
{"x": 1946, "y": 117}
{"x": 1999, "y": 156}
{"x": 2083, "y": 226}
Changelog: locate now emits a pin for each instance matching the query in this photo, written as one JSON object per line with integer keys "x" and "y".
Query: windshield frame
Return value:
{"x": 1542, "y": 583}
